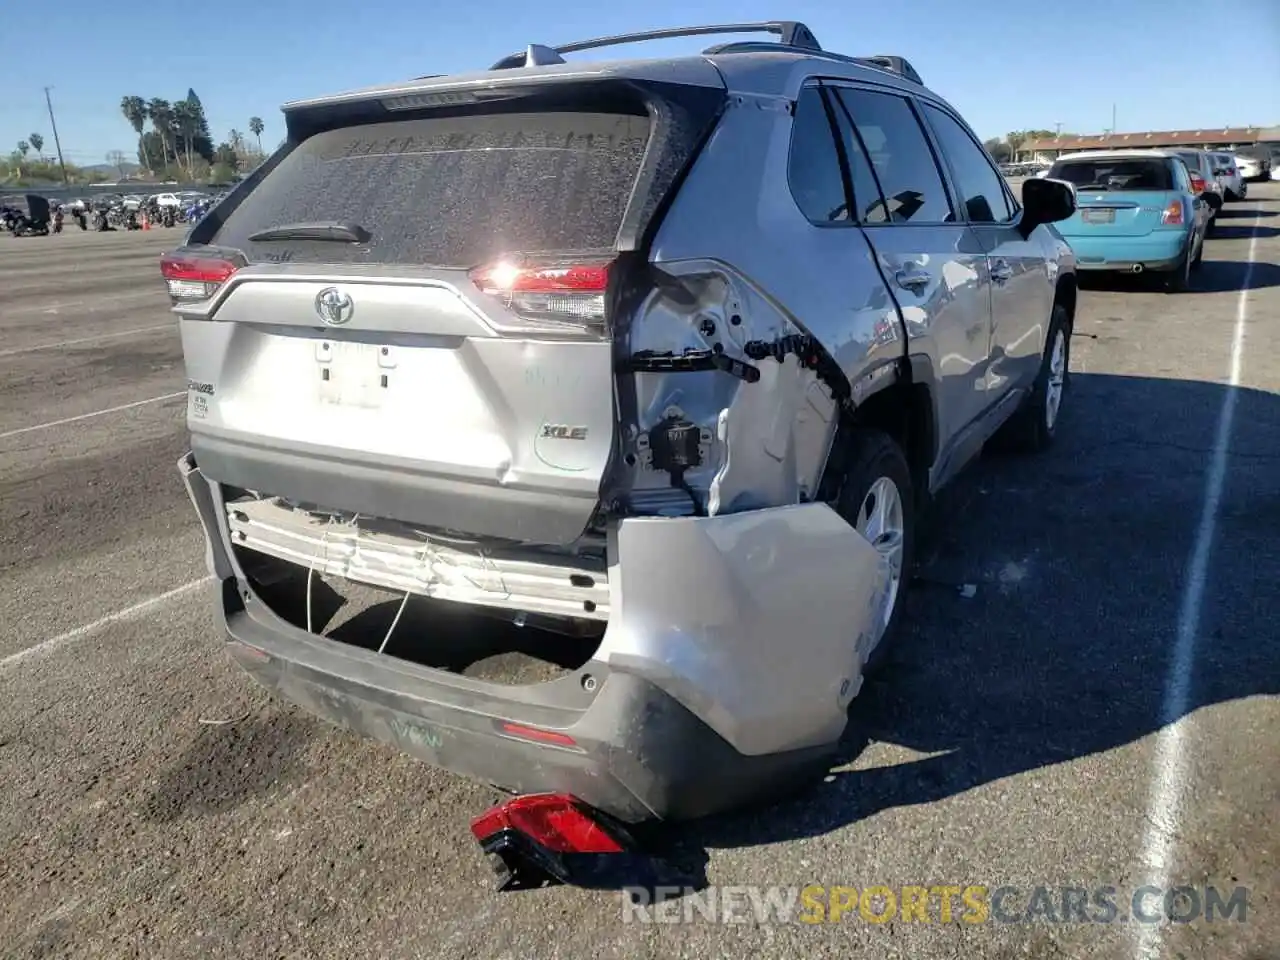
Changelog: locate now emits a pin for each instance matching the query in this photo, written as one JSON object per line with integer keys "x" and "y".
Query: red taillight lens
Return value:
{"x": 1172, "y": 214}
{"x": 192, "y": 278}
{"x": 555, "y": 821}
{"x": 1197, "y": 183}
{"x": 562, "y": 293}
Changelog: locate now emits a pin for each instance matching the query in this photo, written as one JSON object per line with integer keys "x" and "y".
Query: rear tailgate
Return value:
{"x": 1118, "y": 214}
{"x": 1117, "y": 195}
{"x": 452, "y": 365}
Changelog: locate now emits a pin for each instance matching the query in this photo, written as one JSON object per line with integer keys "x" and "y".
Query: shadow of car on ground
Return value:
{"x": 1078, "y": 558}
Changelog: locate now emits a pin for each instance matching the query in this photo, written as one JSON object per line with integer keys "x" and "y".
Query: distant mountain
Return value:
{"x": 112, "y": 168}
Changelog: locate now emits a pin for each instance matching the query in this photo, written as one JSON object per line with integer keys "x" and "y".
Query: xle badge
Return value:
{"x": 562, "y": 431}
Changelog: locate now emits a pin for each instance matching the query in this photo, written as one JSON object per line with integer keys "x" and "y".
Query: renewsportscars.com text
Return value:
{"x": 969, "y": 904}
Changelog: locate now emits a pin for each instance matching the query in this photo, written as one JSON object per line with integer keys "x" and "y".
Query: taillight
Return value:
{"x": 1197, "y": 183}
{"x": 562, "y": 293}
{"x": 191, "y": 278}
{"x": 555, "y": 822}
{"x": 1172, "y": 213}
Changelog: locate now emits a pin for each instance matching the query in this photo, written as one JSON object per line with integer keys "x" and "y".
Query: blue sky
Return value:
{"x": 1166, "y": 64}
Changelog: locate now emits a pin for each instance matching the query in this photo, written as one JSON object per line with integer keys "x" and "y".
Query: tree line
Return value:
{"x": 178, "y": 144}
{"x": 1003, "y": 149}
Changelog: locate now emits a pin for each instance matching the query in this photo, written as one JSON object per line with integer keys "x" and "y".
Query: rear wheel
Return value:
{"x": 877, "y": 499}
{"x": 1179, "y": 278}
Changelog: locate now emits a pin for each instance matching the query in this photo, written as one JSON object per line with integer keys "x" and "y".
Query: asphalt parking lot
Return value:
{"x": 157, "y": 804}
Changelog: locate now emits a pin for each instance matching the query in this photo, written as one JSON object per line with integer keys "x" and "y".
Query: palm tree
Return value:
{"x": 23, "y": 147}
{"x": 256, "y": 126}
{"x": 161, "y": 115}
{"x": 1015, "y": 139}
{"x": 37, "y": 144}
{"x": 186, "y": 124}
{"x": 135, "y": 111}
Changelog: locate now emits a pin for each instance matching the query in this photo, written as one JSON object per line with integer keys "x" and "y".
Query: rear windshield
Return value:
{"x": 1118, "y": 174}
{"x": 453, "y": 191}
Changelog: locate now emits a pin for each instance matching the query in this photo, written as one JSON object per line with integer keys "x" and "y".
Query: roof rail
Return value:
{"x": 790, "y": 33}
{"x": 898, "y": 65}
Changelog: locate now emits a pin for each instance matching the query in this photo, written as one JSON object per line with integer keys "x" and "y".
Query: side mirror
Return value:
{"x": 1045, "y": 200}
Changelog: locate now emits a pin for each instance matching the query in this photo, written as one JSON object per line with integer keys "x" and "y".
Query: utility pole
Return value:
{"x": 1114, "y": 128}
{"x": 56, "y": 142}
{"x": 1058, "y": 129}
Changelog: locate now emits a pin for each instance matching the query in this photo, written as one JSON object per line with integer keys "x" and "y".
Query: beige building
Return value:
{"x": 1226, "y": 138}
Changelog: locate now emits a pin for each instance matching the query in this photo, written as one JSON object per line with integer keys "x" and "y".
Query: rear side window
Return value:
{"x": 1122, "y": 173}
{"x": 813, "y": 167}
{"x": 900, "y": 155}
{"x": 451, "y": 191}
{"x": 980, "y": 185}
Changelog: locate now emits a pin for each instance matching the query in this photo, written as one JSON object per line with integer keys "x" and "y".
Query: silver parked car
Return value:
{"x": 656, "y": 359}
{"x": 1201, "y": 164}
{"x": 1229, "y": 177}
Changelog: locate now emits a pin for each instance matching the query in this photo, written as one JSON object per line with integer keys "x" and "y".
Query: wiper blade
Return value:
{"x": 339, "y": 232}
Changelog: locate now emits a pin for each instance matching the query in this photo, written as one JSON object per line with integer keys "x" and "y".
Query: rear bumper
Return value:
{"x": 1159, "y": 251}
{"x": 698, "y": 700}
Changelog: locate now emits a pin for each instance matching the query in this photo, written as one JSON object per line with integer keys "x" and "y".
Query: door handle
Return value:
{"x": 911, "y": 279}
{"x": 1001, "y": 271}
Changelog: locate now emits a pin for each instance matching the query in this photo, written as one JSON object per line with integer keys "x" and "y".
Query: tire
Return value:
{"x": 874, "y": 459}
{"x": 1035, "y": 424}
{"x": 1199, "y": 257}
{"x": 1178, "y": 279}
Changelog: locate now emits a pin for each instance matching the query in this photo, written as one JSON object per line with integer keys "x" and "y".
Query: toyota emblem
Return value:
{"x": 334, "y": 307}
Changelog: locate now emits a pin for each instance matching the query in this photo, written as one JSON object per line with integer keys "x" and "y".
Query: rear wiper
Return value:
{"x": 328, "y": 230}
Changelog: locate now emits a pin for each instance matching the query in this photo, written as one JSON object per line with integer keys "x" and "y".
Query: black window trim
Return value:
{"x": 1015, "y": 208}
{"x": 839, "y": 83}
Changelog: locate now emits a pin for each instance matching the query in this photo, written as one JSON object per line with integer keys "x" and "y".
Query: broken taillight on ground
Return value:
{"x": 543, "y": 838}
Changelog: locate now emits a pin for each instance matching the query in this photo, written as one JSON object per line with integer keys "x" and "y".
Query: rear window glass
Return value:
{"x": 454, "y": 191}
{"x": 1115, "y": 174}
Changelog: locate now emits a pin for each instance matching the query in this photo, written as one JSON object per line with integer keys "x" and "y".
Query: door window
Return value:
{"x": 900, "y": 155}
{"x": 979, "y": 184}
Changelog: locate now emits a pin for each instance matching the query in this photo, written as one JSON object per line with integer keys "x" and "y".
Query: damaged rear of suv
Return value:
{"x": 558, "y": 345}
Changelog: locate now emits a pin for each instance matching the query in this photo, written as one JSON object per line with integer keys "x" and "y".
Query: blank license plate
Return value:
{"x": 1106, "y": 215}
{"x": 353, "y": 374}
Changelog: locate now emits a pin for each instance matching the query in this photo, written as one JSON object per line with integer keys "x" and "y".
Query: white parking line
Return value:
{"x": 1168, "y": 779}
{"x": 48, "y": 646}
{"x": 87, "y": 416}
{"x": 97, "y": 336}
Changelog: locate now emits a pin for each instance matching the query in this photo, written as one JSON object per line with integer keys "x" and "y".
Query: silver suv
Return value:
{"x": 657, "y": 360}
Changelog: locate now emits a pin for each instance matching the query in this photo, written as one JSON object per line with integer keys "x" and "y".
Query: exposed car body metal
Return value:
{"x": 396, "y": 425}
